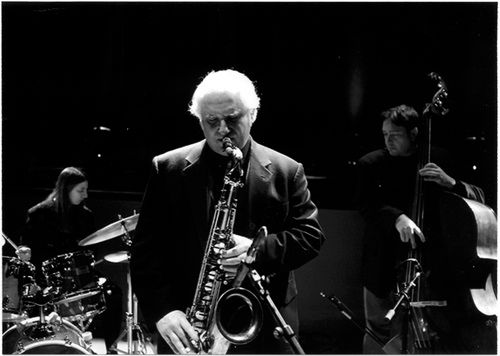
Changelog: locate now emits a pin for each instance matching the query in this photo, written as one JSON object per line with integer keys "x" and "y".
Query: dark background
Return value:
{"x": 324, "y": 72}
{"x": 106, "y": 86}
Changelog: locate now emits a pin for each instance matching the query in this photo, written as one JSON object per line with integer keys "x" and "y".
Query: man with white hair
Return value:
{"x": 177, "y": 209}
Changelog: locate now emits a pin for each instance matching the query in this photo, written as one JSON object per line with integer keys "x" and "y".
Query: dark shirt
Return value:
{"x": 217, "y": 166}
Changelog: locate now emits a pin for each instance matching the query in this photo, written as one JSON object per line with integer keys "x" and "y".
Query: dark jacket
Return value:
{"x": 44, "y": 234}
{"x": 174, "y": 225}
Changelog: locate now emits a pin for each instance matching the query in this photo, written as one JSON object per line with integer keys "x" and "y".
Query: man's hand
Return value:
{"x": 232, "y": 258}
{"x": 433, "y": 173}
{"x": 408, "y": 229}
{"x": 178, "y": 333}
{"x": 24, "y": 253}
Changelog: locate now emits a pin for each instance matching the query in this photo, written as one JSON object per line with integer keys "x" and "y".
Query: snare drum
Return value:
{"x": 62, "y": 338}
{"x": 18, "y": 281}
{"x": 77, "y": 307}
{"x": 71, "y": 275}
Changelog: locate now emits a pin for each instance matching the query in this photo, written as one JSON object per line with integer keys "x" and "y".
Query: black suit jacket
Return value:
{"x": 174, "y": 225}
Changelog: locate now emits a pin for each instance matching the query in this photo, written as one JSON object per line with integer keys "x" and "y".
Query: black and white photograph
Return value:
{"x": 263, "y": 177}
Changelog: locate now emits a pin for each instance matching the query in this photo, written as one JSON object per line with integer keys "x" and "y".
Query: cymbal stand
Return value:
{"x": 135, "y": 336}
{"x": 404, "y": 301}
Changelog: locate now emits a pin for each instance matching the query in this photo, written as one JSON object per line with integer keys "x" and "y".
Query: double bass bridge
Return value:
{"x": 429, "y": 303}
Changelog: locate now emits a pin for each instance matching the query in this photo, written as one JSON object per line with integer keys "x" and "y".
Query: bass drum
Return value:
{"x": 30, "y": 338}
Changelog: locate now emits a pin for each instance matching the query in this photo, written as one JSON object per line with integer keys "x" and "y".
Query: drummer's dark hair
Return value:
{"x": 67, "y": 179}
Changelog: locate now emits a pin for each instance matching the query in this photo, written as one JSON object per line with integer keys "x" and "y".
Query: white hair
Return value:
{"x": 225, "y": 81}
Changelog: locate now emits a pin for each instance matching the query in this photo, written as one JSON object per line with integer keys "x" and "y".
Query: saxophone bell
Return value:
{"x": 239, "y": 315}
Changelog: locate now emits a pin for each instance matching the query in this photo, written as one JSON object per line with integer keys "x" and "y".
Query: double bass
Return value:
{"x": 436, "y": 322}
{"x": 469, "y": 231}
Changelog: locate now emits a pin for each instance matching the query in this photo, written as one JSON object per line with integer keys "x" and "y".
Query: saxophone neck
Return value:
{"x": 234, "y": 172}
{"x": 232, "y": 151}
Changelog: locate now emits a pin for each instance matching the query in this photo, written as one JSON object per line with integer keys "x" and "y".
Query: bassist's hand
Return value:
{"x": 178, "y": 332}
{"x": 433, "y": 173}
{"x": 408, "y": 229}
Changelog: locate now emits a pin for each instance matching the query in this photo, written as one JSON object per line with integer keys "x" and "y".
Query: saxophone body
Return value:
{"x": 201, "y": 314}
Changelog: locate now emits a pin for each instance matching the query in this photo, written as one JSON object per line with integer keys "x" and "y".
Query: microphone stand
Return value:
{"x": 405, "y": 301}
{"x": 282, "y": 329}
{"x": 245, "y": 269}
{"x": 345, "y": 311}
{"x": 403, "y": 296}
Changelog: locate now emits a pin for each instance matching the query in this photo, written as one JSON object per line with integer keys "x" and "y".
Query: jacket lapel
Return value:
{"x": 196, "y": 184}
{"x": 259, "y": 177}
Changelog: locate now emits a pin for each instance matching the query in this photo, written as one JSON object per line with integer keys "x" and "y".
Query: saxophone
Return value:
{"x": 212, "y": 338}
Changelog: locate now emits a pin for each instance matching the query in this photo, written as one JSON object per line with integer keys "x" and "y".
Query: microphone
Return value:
{"x": 344, "y": 310}
{"x": 231, "y": 150}
{"x": 390, "y": 314}
{"x": 244, "y": 266}
{"x": 403, "y": 295}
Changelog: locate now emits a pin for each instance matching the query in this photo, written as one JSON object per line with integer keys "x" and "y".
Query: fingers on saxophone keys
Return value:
{"x": 194, "y": 344}
{"x": 175, "y": 344}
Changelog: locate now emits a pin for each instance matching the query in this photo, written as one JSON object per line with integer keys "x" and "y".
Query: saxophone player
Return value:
{"x": 177, "y": 209}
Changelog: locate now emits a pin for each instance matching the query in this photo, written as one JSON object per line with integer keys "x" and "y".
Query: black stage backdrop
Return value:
{"x": 106, "y": 86}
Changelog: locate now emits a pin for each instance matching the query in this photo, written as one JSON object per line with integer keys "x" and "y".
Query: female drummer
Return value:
{"x": 55, "y": 225}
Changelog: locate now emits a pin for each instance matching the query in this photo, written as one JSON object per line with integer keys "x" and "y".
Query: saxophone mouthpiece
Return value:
{"x": 231, "y": 150}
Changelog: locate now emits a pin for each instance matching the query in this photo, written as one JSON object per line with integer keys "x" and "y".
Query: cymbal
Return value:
{"x": 117, "y": 257}
{"x": 111, "y": 231}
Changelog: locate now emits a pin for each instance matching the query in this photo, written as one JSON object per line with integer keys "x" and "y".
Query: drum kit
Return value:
{"x": 55, "y": 319}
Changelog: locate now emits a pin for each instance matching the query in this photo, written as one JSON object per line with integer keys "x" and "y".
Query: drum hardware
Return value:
{"x": 46, "y": 335}
{"x": 122, "y": 228}
{"x": 17, "y": 276}
{"x": 82, "y": 309}
{"x": 83, "y": 322}
{"x": 135, "y": 337}
{"x": 18, "y": 284}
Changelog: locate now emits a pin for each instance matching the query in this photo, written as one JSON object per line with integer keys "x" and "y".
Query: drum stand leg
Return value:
{"x": 135, "y": 336}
